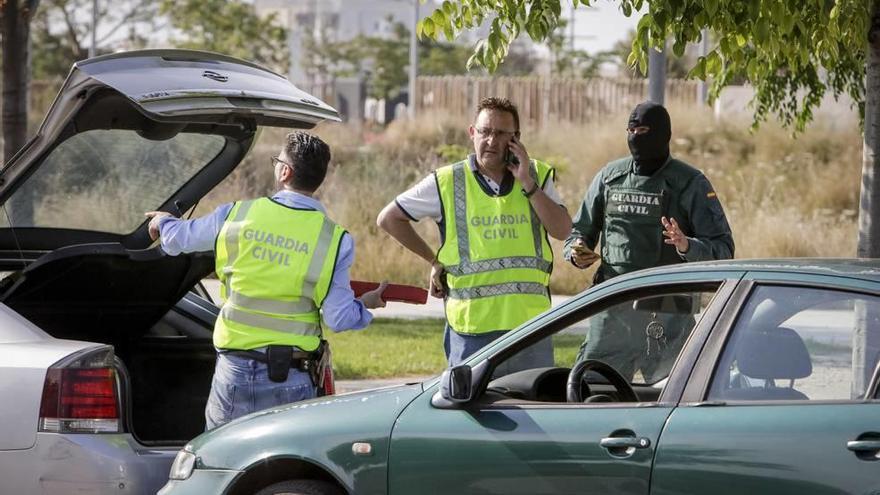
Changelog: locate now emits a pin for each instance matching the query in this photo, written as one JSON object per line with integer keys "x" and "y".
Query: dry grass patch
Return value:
{"x": 783, "y": 196}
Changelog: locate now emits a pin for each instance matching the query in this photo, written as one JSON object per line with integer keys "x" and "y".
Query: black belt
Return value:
{"x": 295, "y": 356}
{"x": 279, "y": 359}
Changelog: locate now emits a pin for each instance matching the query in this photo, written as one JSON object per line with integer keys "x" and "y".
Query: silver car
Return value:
{"x": 105, "y": 342}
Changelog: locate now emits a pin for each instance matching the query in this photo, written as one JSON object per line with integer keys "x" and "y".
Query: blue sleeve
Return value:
{"x": 340, "y": 309}
{"x": 190, "y": 236}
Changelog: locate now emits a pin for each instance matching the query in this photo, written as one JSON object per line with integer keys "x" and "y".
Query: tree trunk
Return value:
{"x": 657, "y": 74}
{"x": 869, "y": 204}
{"x": 15, "y": 26}
{"x": 866, "y": 337}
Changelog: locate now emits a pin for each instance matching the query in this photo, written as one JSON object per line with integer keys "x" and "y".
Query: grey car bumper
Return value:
{"x": 85, "y": 463}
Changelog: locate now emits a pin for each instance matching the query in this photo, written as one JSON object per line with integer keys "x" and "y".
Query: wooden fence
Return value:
{"x": 539, "y": 100}
{"x": 547, "y": 100}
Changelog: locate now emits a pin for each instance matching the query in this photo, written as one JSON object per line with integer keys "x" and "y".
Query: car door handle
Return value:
{"x": 863, "y": 445}
{"x": 625, "y": 442}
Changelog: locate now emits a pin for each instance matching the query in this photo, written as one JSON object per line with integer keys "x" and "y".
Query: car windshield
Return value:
{"x": 104, "y": 180}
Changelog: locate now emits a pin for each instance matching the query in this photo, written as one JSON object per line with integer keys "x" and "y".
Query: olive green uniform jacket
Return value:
{"x": 622, "y": 210}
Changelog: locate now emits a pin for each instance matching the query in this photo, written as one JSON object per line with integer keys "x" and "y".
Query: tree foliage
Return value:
{"x": 332, "y": 59}
{"x": 390, "y": 59}
{"x": 61, "y": 31}
{"x": 384, "y": 61}
{"x": 230, "y": 27}
{"x": 791, "y": 52}
{"x": 677, "y": 67}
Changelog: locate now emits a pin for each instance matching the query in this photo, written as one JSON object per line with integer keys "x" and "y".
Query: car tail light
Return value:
{"x": 329, "y": 385}
{"x": 81, "y": 394}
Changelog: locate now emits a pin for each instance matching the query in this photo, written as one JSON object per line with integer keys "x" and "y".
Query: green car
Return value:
{"x": 726, "y": 377}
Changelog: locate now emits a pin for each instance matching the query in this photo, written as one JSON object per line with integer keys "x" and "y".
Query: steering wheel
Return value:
{"x": 576, "y": 381}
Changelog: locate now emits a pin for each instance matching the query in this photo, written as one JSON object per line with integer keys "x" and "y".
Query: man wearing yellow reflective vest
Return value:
{"x": 495, "y": 210}
{"x": 282, "y": 264}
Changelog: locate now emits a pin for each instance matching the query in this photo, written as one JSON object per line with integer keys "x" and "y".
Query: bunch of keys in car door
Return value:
{"x": 654, "y": 331}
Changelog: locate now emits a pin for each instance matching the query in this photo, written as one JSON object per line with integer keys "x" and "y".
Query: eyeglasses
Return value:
{"x": 638, "y": 130}
{"x": 276, "y": 160}
{"x": 488, "y": 132}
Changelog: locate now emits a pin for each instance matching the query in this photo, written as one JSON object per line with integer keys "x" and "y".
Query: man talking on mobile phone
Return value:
{"x": 494, "y": 209}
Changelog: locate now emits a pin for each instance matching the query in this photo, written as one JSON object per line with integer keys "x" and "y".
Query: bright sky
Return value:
{"x": 599, "y": 27}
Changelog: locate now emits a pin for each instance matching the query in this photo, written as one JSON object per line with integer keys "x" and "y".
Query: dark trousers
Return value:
{"x": 618, "y": 336}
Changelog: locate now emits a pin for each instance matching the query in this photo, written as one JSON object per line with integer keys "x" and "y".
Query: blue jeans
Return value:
{"x": 459, "y": 347}
{"x": 242, "y": 386}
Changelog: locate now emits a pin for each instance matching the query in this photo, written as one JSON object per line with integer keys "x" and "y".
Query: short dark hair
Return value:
{"x": 309, "y": 156}
{"x": 499, "y": 104}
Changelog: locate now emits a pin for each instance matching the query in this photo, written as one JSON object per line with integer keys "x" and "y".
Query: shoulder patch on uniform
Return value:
{"x": 711, "y": 194}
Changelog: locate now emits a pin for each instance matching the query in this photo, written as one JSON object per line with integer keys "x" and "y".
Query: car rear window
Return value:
{"x": 104, "y": 180}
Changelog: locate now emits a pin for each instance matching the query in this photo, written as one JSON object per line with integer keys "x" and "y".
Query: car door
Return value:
{"x": 778, "y": 401}
{"x": 526, "y": 439}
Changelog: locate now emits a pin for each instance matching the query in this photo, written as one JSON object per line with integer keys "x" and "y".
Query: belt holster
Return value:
{"x": 278, "y": 360}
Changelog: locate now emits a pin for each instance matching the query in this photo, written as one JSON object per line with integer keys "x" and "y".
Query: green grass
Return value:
{"x": 389, "y": 348}
{"x": 565, "y": 349}
{"x": 394, "y": 348}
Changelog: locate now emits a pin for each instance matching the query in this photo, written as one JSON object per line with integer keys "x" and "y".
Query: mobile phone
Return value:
{"x": 509, "y": 157}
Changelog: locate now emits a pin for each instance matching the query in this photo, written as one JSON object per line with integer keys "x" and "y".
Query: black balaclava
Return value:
{"x": 649, "y": 150}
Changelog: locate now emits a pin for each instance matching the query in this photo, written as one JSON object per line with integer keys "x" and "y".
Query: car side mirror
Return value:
{"x": 456, "y": 385}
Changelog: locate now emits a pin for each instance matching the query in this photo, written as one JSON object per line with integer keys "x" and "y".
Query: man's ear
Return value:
{"x": 471, "y": 131}
{"x": 286, "y": 174}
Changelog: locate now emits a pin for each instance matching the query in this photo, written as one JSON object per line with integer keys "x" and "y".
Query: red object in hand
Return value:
{"x": 393, "y": 292}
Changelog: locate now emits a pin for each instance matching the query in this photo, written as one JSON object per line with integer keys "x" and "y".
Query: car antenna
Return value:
{"x": 14, "y": 236}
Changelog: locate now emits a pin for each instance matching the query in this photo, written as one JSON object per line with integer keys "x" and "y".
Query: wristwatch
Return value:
{"x": 534, "y": 189}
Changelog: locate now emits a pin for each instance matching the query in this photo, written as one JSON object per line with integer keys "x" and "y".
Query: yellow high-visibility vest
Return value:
{"x": 495, "y": 251}
{"x": 275, "y": 264}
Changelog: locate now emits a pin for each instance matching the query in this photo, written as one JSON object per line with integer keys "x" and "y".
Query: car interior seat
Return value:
{"x": 770, "y": 355}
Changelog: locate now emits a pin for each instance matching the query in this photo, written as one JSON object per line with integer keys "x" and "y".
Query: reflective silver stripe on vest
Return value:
{"x": 459, "y": 195}
{"x": 466, "y": 266}
{"x": 269, "y": 323}
{"x": 499, "y": 264}
{"x": 232, "y": 237}
{"x": 536, "y": 231}
{"x": 304, "y": 305}
{"x": 318, "y": 257}
{"x": 499, "y": 290}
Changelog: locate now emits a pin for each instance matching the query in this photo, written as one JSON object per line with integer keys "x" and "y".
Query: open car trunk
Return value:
{"x": 129, "y": 133}
{"x": 138, "y": 302}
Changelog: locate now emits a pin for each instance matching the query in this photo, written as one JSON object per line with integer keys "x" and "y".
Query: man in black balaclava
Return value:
{"x": 649, "y": 141}
{"x": 648, "y": 209}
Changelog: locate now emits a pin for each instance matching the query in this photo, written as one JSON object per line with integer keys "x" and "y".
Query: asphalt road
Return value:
{"x": 433, "y": 308}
